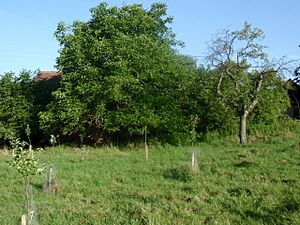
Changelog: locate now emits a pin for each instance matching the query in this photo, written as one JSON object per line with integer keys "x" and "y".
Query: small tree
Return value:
{"x": 243, "y": 68}
{"x": 26, "y": 163}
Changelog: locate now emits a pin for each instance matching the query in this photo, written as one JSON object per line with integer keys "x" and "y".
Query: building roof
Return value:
{"x": 48, "y": 75}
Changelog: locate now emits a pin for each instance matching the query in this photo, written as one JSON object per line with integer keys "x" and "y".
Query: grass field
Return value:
{"x": 251, "y": 184}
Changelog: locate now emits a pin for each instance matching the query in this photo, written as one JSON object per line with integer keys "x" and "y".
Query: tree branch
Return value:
{"x": 219, "y": 85}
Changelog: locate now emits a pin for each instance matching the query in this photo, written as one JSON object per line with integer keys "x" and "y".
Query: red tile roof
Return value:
{"x": 48, "y": 75}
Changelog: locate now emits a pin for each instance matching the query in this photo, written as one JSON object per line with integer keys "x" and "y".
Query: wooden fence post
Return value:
{"x": 146, "y": 144}
{"x": 194, "y": 162}
{"x": 23, "y": 219}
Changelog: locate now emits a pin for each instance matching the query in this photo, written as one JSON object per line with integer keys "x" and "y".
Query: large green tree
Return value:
{"x": 245, "y": 74}
{"x": 121, "y": 74}
{"x": 16, "y": 104}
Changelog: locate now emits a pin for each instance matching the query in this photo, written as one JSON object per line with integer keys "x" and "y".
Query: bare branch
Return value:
{"x": 219, "y": 85}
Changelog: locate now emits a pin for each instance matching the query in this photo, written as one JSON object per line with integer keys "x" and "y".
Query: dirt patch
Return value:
{"x": 4, "y": 153}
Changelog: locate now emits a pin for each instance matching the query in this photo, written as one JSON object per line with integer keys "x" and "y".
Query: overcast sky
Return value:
{"x": 27, "y": 27}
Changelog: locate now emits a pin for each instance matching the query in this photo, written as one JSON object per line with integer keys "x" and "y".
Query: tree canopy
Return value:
{"x": 123, "y": 79}
{"x": 120, "y": 75}
{"x": 16, "y": 104}
{"x": 243, "y": 71}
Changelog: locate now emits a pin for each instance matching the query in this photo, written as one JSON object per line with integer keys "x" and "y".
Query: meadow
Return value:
{"x": 255, "y": 183}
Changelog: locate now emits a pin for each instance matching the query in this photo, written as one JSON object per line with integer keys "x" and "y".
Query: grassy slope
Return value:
{"x": 251, "y": 184}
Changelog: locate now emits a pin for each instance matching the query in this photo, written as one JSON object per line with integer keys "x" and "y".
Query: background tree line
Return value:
{"x": 123, "y": 78}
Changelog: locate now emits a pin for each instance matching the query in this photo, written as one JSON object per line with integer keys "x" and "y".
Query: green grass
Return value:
{"x": 250, "y": 184}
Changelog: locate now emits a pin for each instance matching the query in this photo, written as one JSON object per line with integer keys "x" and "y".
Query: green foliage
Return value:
{"x": 246, "y": 77}
{"x": 26, "y": 163}
{"x": 218, "y": 118}
{"x": 120, "y": 74}
{"x": 16, "y": 104}
{"x": 273, "y": 104}
{"x": 24, "y": 160}
{"x": 214, "y": 113}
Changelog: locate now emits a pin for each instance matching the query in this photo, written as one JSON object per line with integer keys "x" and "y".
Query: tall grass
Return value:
{"x": 256, "y": 183}
{"x": 285, "y": 128}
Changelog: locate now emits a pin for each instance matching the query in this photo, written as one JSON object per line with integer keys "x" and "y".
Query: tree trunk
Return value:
{"x": 146, "y": 144}
{"x": 243, "y": 127}
{"x": 27, "y": 199}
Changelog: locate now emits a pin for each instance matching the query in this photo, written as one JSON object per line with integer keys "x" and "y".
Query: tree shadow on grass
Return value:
{"x": 244, "y": 164}
{"x": 181, "y": 173}
{"x": 37, "y": 186}
{"x": 278, "y": 214}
